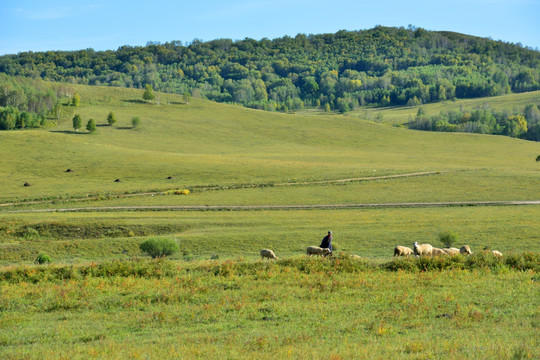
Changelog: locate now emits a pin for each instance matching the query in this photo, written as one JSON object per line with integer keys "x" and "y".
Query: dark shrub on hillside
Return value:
{"x": 158, "y": 248}
{"x": 43, "y": 259}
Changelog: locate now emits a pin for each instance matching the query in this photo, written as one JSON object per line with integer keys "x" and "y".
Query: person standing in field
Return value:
{"x": 327, "y": 242}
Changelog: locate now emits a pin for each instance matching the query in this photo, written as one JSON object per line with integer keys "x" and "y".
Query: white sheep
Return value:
{"x": 315, "y": 250}
{"x": 452, "y": 251}
{"x": 356, "y": 257}
{"x": 464, "y": 250}
{"x": 268, "y": 254}
{"x": 403, "y": 251}
{"x": 497, "y": 253}
{"x": 424, "y": 249}
{"x": 438, "y": 252}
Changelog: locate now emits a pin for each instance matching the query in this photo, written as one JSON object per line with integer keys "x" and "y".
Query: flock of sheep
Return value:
{"x": 428, "y": 250}
{"x": 311, "y": 250}
{"x": 417, "y": 250}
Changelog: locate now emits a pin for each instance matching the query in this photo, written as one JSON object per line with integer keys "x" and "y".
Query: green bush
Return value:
{"x": 448, "y": 238}
{"x": 43, "y": 259}
{"x": 158, "y": 248}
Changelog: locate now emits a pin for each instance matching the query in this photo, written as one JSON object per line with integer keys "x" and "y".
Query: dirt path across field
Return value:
{"x": 278, "y": 207}
{"x": 232, "y": 187}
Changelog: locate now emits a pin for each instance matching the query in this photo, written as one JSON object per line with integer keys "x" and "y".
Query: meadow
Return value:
{"x": 214, "y": 298}
{"x": 398, "y": 115}
{"x": 299, "y": 308}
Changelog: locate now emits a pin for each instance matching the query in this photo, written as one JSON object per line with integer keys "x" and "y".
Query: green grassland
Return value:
{"x": 296, "y": 308}
{"x": 371, "y": 233}
{"x": 303, "y": 308}
{"x": 205, "y": 143}
{"x": 402, "y": 114}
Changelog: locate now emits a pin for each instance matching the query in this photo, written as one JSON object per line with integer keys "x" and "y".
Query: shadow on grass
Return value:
{"x": 135, "y": 101}
{"x": 70, "y": 132}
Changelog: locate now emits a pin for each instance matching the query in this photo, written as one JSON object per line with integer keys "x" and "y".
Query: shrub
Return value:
{"x": 448, "y": 238}
{"x": 135, "y": 122}
{"x": 43, "y": 259}
{"x": 111, "y": 119}
{"x": 91, "y": 126}
{"x": 158, "y": 248}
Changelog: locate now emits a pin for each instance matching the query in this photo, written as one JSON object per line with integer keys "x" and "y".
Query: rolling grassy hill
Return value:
{"x": 99, "y": 299}
{"x": 229, "y": 155}
{"x": 206, "y": 143}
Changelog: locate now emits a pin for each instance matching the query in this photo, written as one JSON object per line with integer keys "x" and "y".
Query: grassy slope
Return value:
{"x": 208, "y": 143}
{"x": 402, "y": 114}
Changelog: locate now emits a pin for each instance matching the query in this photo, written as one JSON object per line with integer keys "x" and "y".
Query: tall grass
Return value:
{"x": 299, "y": 308}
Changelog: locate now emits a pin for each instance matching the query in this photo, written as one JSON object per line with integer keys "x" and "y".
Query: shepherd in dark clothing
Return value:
{"x": 327, "y": 241}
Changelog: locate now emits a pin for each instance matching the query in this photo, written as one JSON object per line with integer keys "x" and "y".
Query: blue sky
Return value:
{"x": 32, "y": 25}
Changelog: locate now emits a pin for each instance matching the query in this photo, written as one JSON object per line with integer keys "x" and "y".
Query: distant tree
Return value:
{"x": 91, "y": 126}
{"x": 538, "y": 158}
{"x": 327, "y": 107}
{"x": 111, "y": 119}
{"x": 77, "y": 122}
{"x": 413, "y": 101}
{"x": 516, "y": 125}
{"x": 135, "y": 122}
{"x": 420, "y": 112}
{"x": 148, "y": 94}
{"x": 186, "y": 97}
{"x": 76, "y": 100}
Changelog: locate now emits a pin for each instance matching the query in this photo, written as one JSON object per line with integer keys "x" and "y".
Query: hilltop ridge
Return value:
{"x": 380, "y": 66}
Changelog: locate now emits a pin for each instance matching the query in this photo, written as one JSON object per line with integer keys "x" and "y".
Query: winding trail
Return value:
{"x": 278, "y": 207}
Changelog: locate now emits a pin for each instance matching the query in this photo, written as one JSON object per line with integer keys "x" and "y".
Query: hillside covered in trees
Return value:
{"x": 381, "y": 67}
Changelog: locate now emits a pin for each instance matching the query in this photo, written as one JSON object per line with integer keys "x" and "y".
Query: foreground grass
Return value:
{"x": 298, "y": 308}
{"x": 371, "y": 233}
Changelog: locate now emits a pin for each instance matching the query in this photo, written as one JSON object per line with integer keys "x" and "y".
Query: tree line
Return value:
{"x": 29, "y": 103}
{"x": 524, "y": 124}
{"x": 382, "y": 66}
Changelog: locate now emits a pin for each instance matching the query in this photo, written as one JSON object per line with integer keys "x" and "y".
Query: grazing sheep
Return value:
{"x": 497, "y": 253}
{"x": 424, "y": 249}
{"x": 452, "y": 251}
{"x": 315, "y": 250}
{"x": 268, "y": 254}
{"x": 357, "y": 257}
{"x": 402, "y": 251}
{"x": 438, "y": 252}
{"x": 464, "y": 250}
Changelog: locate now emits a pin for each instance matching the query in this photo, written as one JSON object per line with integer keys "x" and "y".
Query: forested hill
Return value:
{"x": 381, "y": 66}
